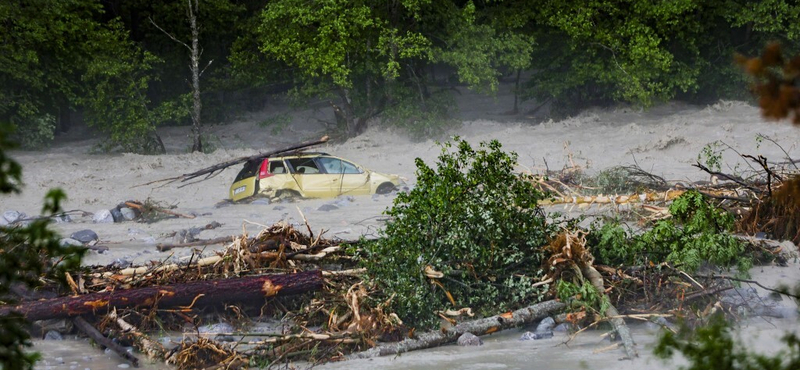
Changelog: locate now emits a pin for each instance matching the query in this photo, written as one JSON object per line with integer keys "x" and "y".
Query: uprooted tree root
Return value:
{"x": 777, "y": 215}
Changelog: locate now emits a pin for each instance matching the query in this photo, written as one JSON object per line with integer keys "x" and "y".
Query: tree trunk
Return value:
{"x": 478, "y": 327}
{"x": 197, "y": 293}
{"x": 197, "y": 145}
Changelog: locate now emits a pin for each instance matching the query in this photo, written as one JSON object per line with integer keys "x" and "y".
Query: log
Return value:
{"x": 194, "y": 293}
{"x": 90, "y": 331}
{"x": 197, "y": 243}
{"x": 612, "y": 314}
{"x": 478, "y": 327}
{"x": 217, "y": 168}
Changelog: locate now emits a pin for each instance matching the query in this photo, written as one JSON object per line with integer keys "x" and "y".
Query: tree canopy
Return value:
{"x": 391, "y": 60}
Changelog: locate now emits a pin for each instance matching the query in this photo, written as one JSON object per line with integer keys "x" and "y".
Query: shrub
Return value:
{"x": 697, "y": 232}
{"x": 472, "y": 219}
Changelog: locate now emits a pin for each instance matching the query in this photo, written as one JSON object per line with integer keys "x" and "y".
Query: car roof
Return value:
{"x": 299, "y": 154}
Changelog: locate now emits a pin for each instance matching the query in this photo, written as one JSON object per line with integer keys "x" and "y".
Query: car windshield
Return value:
{"x": 335, "y": 165}
{"x": 303, "y": 165}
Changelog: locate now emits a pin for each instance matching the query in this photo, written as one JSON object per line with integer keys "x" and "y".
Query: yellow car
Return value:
{"x": 308, "y": 175}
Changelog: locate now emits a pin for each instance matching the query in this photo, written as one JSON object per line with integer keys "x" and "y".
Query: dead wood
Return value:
{"x": 197, "y": 243}
{"x": 611, "y": 312}
{"x": 90, "y": 331}
{"x": 478, "y": 327}
{"x": 194, "y": 293}
{"x": 141, "y": 208}
{"x": 152, "y": 349}
{"x": 217, "y": 168}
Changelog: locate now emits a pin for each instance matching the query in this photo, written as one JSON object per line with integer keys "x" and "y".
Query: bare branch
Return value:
{"x": 168, "y": 34}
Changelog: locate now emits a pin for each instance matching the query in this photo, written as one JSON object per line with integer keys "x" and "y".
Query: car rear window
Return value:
{"x": 303, "y": 165}
{"x": 249, "y": 170}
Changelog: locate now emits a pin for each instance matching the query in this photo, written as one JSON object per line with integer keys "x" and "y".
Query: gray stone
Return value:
{"x": 127, "y": 213}
{"x": 563, "y": 328}
{"x": 279, "y": 208}
{"x": 327, "y": 207}
{"x": 84, "y": 236}
{"x": 103, "y": 217}
{"x": 13, "y": 216}
{"x": 536, "y": 336}
{"x": 53, "y": 335}
{"x": 116, "y": 215}
{"x": 261, "y": 201}
{"x": 469, "y": 339}
{"x": 65, "y": 242}
{"x": 547, "y": 324}
{"x": 62, "y": 219}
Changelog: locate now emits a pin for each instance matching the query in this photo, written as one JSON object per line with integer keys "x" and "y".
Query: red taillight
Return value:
{"x": 263, "y": 172}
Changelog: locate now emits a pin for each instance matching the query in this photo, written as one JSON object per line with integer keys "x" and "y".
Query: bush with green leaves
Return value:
{"x": 697, "y": 232}
{"x": 25, "y": 255}
{"x": 713, "y": 347}
{"x": 471, "y": 218}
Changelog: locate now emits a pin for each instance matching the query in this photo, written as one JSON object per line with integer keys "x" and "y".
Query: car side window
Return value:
{"x": 303, "y": 165}
{"x": 276, "y": 166}
{"x": 338, "y": 166}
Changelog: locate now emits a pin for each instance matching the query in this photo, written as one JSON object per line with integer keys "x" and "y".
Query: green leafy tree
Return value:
{"x": 473, "y": 219}
{"x": 25, "y": 255}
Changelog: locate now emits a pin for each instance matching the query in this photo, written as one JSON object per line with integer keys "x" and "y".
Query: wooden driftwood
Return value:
{"x": 87, "y": 328}
{"x": 612, "y": 314}
{"x": 194, "y": 293}
{"x": 478, "y": 327}
{"x": 197, "y": 243}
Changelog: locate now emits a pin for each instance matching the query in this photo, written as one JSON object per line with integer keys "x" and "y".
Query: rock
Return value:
{"x": 103, "y": 217}
{"x": 84, "y": 236}
{"x": 195, "y": 231}
{"x": 547, "y": 324}
{"x": 121, "y": 263}
{"x": 13, "y": 216}
{"x": 327, "y": 207}
{"x": 563, "y": 328}
{"x": 128, "y": 213}
{"x": 536, "y": 336}
{"x": 469, "y": 339}
{"x": 53, "y": 335}
{"x": 65, "y": 242}
{"x": 279, "y": 208}
{"x": 261, "y": 201}
{"x": 116, "y": 215}
{"x": 62, "y": 219}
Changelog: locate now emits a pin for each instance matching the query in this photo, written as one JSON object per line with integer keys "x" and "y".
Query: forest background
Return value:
{"x": 130, "y": 67}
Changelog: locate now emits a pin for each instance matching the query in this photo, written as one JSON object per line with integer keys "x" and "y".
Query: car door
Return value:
{"x": 310, "y": 179}
{"x": 345, "y": 177}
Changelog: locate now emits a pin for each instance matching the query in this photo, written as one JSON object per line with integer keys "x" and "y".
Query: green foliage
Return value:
{"x": 36, "y": 132}
{"x": 711, "y": 156}
{"x": 472, "y": 218}
{"x": 582, "y": 295}
{"x": 421, "y": 119}
{"x": 698, "y": 232}
{"x": 26, "y": 253}
{"x": 118, "y": 104}
{"x": 714, "y": 347}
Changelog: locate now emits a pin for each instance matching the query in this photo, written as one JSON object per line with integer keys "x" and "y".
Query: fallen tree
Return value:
{"x": 193, "y": 293}
{"x": 478, "y": 327}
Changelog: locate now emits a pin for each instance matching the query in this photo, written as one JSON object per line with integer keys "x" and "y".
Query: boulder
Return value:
{"x": 116, "y": 215}
{"x": 103, "y": 217}
{"x": 84, "y": 236}
{"x": 547, "y": 324}
{"x": 536, "y": 336}
{"x": 128, "y": 213}
{"x": 469, "y": 339}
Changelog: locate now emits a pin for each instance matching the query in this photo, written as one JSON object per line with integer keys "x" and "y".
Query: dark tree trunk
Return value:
{"x": 200, "y": 293}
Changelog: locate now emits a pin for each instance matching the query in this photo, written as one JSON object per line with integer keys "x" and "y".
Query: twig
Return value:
{"x": 731, "y": 278}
